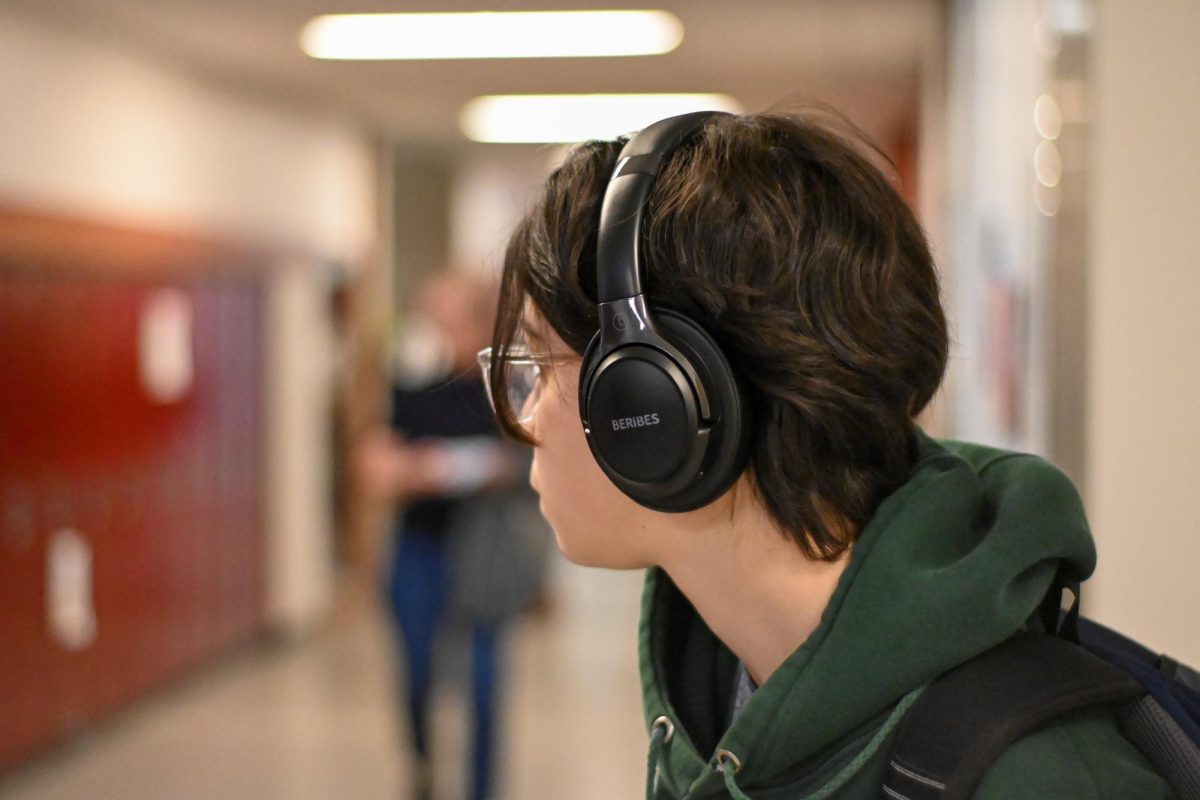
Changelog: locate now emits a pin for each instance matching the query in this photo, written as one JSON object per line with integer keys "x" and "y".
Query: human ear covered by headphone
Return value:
{"x": 665, "y": 415}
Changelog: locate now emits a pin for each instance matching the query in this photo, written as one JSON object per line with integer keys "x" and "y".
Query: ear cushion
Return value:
{"x": 732, "y": 429}
{"x": 586, "y": 368}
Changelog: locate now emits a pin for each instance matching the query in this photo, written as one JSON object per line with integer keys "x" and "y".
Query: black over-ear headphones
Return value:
{"x": 665, "y": 415}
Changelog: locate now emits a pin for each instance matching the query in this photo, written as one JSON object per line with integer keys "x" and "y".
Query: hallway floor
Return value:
{"x": 316, "y": 720}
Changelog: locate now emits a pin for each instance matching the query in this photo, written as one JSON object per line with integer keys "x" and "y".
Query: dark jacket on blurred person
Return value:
{"x": 954, "y": 562}
{"x": 447, "y": 409}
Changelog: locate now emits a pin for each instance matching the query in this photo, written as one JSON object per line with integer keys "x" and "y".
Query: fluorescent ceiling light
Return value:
{"x": 576, "y": 117}
{"x": 486, "y": 34}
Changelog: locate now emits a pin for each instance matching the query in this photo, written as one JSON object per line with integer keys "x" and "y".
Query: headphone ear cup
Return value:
{"x": 732, "y": 428}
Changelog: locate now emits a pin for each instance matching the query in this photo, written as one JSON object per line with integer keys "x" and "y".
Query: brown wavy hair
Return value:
{"x": 779, "y": 235}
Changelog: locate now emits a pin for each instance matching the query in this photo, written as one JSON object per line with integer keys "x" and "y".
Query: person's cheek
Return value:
{"x": 531, "y": 428}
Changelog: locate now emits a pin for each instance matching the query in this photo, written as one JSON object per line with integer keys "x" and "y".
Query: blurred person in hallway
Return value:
{"x": 469, "y": 547}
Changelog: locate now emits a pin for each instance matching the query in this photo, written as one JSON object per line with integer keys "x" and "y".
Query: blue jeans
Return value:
{"x": 418, "y": 592}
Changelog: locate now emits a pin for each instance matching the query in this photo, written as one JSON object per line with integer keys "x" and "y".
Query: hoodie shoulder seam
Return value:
{"x": 1003, "y": 456}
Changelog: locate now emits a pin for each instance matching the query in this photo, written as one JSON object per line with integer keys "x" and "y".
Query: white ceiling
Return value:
{"x": 862, "y": 56}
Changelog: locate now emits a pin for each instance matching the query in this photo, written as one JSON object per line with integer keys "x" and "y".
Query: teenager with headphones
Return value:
{"x": 717, "y": 336}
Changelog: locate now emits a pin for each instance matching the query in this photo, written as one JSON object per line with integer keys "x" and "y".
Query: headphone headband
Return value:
{"x": 618, "y": 250}
{"x": 664, "y": 413}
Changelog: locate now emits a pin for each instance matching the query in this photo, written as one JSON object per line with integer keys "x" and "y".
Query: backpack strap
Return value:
{"x": 970, "y": 715}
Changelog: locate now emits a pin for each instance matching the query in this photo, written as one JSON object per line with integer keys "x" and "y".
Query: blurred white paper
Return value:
{"x": 70, "y": 610}
{"x": 165, "y": 345}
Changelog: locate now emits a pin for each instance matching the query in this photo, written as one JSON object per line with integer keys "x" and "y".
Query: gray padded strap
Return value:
{"x": 1173, "y": 755}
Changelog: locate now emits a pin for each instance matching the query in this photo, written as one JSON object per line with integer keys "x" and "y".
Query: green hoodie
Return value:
{"x": 952, "y": 563}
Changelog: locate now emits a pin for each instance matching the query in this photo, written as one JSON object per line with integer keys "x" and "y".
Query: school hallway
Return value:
{"x": 229, "y": 259}
{"x": 316, "y": 720}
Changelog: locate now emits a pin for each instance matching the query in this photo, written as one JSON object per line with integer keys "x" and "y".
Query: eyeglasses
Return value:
{"x": 522, "y": 378}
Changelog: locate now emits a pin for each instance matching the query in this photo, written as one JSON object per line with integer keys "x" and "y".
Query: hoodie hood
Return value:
{"x": 954, "y": 562}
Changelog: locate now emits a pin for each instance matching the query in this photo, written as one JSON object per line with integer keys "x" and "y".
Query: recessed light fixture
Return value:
{"x": 576, "y": 117}
{"x": 487, "y": 34}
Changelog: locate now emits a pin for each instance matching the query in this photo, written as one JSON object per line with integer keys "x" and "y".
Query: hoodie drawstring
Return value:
{"x": 660, "y": 733}
{"x": 729, "y": 764}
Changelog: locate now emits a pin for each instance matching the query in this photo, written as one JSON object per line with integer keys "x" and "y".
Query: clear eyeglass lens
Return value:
{"x": 484, "y": 358}
{"x": 521, "y": 380}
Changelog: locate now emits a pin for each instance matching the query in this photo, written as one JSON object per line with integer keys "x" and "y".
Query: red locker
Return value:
{"x": 143, "y": 481}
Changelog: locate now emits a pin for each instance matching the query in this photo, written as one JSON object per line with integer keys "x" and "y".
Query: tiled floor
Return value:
{"x": 316, "y": 720}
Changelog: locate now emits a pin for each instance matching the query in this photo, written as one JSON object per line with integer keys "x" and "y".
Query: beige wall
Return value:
{"x": 1144, "y": 323}
{"x": 88, "y": 130}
